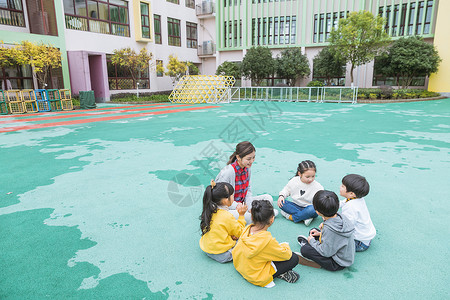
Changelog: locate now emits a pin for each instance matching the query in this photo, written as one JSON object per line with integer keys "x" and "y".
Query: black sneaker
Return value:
{"x": 302, "y": 240}
{"x": 289, "y": 276}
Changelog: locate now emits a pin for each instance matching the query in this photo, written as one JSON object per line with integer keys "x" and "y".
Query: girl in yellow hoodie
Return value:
{"x": 257, "y": 256}
{"x": 220, "y": 229}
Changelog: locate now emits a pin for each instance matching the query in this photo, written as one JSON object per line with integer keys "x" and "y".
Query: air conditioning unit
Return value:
{"x": 207, "y": 47}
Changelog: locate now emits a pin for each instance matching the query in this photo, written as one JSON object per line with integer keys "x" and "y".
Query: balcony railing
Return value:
{"x": 79, "y": 23}
{"x": 208, "y": 48}
{"x": 206, "y": 8}
{"x": 10, "y": 17}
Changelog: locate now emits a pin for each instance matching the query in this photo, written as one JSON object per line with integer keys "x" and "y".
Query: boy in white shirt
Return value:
{"x": 355, "y": 187}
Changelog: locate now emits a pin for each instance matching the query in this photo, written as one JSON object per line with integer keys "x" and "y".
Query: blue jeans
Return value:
{"x": 360, "y": 246}
{"x": 298, "y": 213}
{"x": 221, "y": 257}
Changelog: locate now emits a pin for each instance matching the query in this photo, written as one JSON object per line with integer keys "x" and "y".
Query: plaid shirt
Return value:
{"x": 241, "y": 182}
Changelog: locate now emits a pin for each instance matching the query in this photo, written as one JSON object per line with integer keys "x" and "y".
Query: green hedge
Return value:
{"x": 151, "y": 98}
{"x": 375, "y": 93}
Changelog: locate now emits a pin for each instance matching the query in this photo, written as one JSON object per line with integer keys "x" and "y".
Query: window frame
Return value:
{"x": 148, "y": 20}
{"x": 159, "y": 74}
{"x": 11, "y": 11}
{"x": 156, "y": 25}
{"x": 173, "y": 27}
{"x": 94, "y": 21}
{"x": 191, "y": 42}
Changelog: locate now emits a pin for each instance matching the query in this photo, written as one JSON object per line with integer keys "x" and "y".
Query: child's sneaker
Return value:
{"x": 289, "y": 276}
{"x": 285, "y": 214}
{"x": 308, "y": 221}
{"x": 302, "y": 240}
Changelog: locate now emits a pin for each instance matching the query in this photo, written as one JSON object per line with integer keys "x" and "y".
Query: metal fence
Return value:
{"x": 296, "y": 94}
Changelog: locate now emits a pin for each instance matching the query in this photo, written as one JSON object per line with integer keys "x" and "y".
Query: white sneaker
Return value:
{"x": 308, "y": 221}
{"x": 285, "y": 214}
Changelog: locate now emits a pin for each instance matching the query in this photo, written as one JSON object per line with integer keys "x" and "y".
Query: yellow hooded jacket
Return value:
{"x": 253, "y": 255}
{"x": 223, "y": 225}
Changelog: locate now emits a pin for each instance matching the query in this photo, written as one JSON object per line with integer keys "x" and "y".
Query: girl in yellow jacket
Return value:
{"x": 220, "y": 229}
{"x": 258, "y": 257}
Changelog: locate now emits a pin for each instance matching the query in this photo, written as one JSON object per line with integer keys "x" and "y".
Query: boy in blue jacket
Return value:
{"x": 332, "y": 247}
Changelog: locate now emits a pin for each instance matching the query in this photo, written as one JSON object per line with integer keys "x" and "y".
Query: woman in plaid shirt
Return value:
{"x": 238, "y": 173}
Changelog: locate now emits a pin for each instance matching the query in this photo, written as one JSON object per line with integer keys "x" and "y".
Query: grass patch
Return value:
{"x": 142, "y": 99}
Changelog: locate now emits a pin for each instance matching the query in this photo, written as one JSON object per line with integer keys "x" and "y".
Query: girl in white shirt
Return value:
{"x": 301, "y": 188}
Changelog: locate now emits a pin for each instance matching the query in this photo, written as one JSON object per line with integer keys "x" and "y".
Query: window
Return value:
{"x": 159, "y": 73}
{"x": 329, "y": 22}
{"x": 105, "y": 16}
{"x": 119, "y": 78}
{"x": 191, "y": 35}
{"x": 145, "y": 20}
{"x": 11, "y": 13}
{"x": 404, "y": 26}
{"x": 158, "y": 39}
{"x": 190, "y": 3}
{"x": 174, "y": 1}
{"x": 173, "y": 26}
{"x": 274, "y": 31}
{"x": 428, "y": 16}
{"x": 16, "y": 78}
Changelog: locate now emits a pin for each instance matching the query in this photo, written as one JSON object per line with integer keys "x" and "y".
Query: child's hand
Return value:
{"x": 321, "y": 226}
{"x": 280, "y": 201}
{"x": 241, "y": 209}
{"x": 314, "y": 232}
{"x": 234, "y": 238}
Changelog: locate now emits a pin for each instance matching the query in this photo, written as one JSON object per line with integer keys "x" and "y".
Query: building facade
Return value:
{"x": 279, "y": 24}
{"x": 35, "y": 21}
{"x": 206, "y": 33}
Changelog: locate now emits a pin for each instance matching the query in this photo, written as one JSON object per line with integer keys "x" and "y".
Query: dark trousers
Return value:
{"x": 284, "y": 266}
{"x": 327, "y": 263}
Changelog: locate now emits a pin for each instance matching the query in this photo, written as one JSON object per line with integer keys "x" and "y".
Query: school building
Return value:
{"x": 206, "y": 33}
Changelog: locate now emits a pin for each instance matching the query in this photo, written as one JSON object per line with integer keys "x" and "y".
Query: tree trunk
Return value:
{"x": 351, "y": 74}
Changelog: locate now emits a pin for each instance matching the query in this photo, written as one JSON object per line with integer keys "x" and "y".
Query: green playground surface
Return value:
{"x": 109, "y": 209}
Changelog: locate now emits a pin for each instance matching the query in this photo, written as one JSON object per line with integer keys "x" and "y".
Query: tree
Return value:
{"x": 407, "y": 58}
{"x": 359, "y": 38}
{"x": 192, "y": 68}
{"x": 292, "y": 64}
{"x": 258, "y": 64}
{"x": 135, "y": 63}
{"x": 175, "y": 68}
{"x": 327, "y": 64}
{"x": 230, "y": 68}
{"x": 42, "y": 58}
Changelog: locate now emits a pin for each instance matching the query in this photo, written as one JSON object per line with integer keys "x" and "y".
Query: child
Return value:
{"x": 258, "y": 257}
{"x": 355, "y": 188}
{"x": 220, "y": 229}
{"x": 238, "y": 173}
{"x": 332, "y": 248}
{"x": 302, "y": 188}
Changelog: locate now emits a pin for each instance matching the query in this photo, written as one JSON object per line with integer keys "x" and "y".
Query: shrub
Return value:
{"x": 373, "y": 96}
{"x": 315, "y": 83}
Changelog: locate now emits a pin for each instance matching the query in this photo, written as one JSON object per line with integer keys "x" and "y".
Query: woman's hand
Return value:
{"x": 280, "y": 201}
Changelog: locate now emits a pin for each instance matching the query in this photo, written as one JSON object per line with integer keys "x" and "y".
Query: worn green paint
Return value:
{"x": 89, "y": 215}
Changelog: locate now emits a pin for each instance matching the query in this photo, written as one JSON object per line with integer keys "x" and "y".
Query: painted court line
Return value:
{"x": 110, "y": 118}
{"x": 90, "y": 114}
{"x": 76, "y": 111}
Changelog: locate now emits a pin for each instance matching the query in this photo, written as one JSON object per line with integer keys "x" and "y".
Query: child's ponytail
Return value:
{"x": 262, "y": 211}
{"x": 212, "y": 197}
